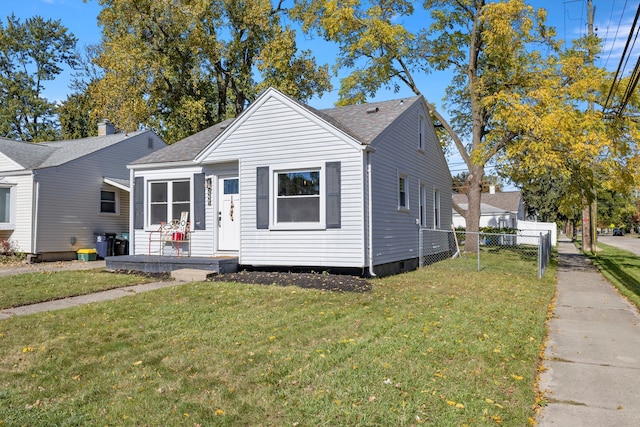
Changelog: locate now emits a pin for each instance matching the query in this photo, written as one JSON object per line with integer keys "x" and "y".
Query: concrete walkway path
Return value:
{"x": 84, "y": 299}
{"x": 592, "y": 375}
{"x": 78, "y": 300}
{"x": 52, "y": 266}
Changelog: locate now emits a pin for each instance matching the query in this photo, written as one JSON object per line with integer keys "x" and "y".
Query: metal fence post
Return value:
{"x": 540, "y": 256}
{"x": 478, "y": 251}
{"x": 420, "y": 246}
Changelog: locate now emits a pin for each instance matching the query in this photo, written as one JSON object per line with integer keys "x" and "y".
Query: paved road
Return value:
{"x": 630, "y": 242}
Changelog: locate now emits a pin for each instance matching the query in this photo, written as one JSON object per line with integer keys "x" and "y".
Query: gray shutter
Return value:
{"x": 199, "y": 222}
{"x": 138, "y": 203}
{"x": 333, "y": 194}
{"x": 262, "y": 197}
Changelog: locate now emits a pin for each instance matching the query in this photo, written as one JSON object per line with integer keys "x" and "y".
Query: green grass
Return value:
{"x": 37, "y": 287}
{"x": 442, "y": 346}
{"x": 621, "y": 268}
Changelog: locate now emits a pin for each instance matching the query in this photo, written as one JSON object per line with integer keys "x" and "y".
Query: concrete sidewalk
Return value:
{"x": 592, "y": 375}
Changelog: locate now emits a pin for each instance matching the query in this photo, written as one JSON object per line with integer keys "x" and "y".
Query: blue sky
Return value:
{"x": 569, "y": 17}
{"x": 613, "y": 19}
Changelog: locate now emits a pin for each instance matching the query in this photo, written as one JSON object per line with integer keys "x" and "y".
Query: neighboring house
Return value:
{"x": 285, "y": 185}
{"x": 497, "y": 209}
{"x": 54, "y": 196}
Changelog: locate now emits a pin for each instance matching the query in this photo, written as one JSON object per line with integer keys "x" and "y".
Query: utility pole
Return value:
{"x": 590, "y": 210}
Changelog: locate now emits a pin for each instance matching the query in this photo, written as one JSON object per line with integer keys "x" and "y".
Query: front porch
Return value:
{"x": 167, "y": 264}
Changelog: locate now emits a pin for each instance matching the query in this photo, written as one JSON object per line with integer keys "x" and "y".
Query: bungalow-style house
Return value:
{"x": 497, "y": 209}
{"x": 285, "y": 185}
{"x": 55, "y": 197}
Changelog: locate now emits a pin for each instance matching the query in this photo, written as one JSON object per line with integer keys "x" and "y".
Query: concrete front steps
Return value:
{"x": 191, "y": 275}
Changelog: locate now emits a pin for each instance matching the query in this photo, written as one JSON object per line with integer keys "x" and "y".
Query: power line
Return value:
{"x": 623, "y": 60}
{"x": 617, "y": 29}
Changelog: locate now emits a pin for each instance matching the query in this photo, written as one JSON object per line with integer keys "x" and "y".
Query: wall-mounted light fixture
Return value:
{"x": 209, "y": 185}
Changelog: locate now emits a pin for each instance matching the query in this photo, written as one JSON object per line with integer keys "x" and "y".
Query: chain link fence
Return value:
{"x": 437, "y": 245}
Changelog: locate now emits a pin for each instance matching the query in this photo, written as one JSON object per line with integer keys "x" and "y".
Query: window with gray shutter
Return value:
{"x": 262, "y": 197}
{"x": 138, "y": 203}
{"x": 333, "y": 195}
{"x": 199, "y": 222}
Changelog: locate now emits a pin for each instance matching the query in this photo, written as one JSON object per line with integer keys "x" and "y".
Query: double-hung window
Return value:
{"x": 403, "y": 192}
{"x": 7, "y": 208}
{"x": 436, "y": 208}
{"x": 108, "y": 202}
{"x": 422, "y": 130}
{"x": 168, "y": 199}
{"x": 298, "y": 196}
{"x": 423, "y": 205}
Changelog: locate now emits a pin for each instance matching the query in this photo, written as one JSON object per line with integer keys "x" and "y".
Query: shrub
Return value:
{"x": 9, "y": 248}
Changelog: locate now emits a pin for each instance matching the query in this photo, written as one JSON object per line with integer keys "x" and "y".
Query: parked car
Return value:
{"x": 617, "y": 232}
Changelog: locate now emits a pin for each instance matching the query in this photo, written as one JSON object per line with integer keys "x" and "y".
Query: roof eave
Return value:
{"x": 158, "y": 165}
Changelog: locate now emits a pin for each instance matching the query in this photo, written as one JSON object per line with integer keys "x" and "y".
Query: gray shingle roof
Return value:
{"x": 55, "y": 153}
{"x": 363, "y": 122}
{"x": 508, "y": 201}
{"x": 185, "y": 149}
{"x": 367, "y": 121}
{"x": 26, "y": 154}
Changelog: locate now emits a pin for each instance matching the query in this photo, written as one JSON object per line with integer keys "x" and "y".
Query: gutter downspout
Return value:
{"x": 369, "y": 231}
{"x": 132, "y": 231}
{"x": 36, "y": 203}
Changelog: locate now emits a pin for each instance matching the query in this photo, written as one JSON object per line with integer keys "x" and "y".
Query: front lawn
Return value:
{"x": 442, "y": 346}
{"x": 621, "y": 268}
{"x": 30, "y": 288}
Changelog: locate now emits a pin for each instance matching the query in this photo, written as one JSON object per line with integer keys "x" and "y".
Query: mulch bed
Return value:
{"x": 327, "y": 282}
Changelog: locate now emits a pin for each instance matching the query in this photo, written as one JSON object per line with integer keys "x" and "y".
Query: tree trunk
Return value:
{"x": 472, "y": 218}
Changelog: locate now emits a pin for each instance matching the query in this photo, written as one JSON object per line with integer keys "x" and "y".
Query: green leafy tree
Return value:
{"x": 75, "y": 117}
{"x": 543, "y": 196}
{"x": 31, "y": 53}
{"x": 179, "y": 66}
{"x": 75, "y": 113}
{"x": 617, "y": 209}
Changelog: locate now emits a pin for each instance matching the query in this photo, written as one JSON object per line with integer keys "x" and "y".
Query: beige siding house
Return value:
{"x": 285, "y": 185}
{"x": 55, "y": 197}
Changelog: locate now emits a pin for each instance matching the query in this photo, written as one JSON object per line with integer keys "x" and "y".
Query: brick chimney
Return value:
{"x": 105, "y": 127}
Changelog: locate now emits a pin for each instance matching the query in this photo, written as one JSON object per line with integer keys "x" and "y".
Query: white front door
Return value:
{"x": 228, "y": 214}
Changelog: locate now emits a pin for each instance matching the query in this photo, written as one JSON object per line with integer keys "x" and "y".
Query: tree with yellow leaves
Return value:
{"x": 514, "y": 99}
{"x": 181, "y": 66}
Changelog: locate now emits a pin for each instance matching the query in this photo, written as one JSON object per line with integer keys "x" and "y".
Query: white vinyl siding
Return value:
{"x": 6, "y": 164}
{"x": 278, "y": 133}
{"x": 20, "y": 232}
